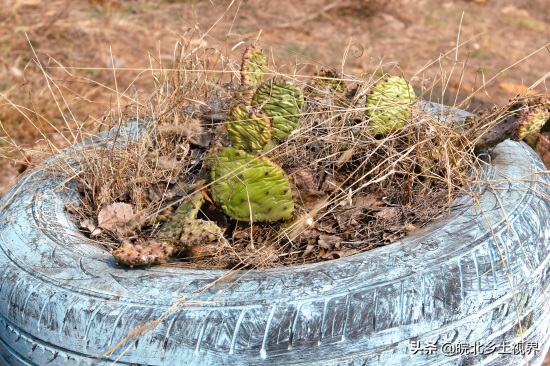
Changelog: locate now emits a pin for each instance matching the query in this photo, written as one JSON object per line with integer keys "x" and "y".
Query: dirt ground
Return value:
{"x": 63, "y": 63}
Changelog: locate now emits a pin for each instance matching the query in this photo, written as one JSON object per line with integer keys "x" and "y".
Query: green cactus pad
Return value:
{"x": 248, "y": 131}
{"x": 282, "y": 101}
{"x": 172, "y": 229}
{"x": 519, "y": 122}
{"x": 250, "y": 188}
{"x": 198, "y": 231}
{"x": 242, "y": 95}
{"x": 253, "y": 66}
{"x": 531, "y": 120}
{"x": 327, "y": 81}
{"x": 389, "y": 105}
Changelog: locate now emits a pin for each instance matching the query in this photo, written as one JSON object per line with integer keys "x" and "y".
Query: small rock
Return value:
{"x": 512, "y": 10}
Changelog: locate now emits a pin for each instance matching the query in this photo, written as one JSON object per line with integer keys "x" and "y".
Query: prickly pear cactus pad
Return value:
{"x": 198, "y": 231}
{"x": 282, "y": 101}
{"x": 248, "y": 131}
{"x": 250, "y": 188}
{"x": 532, "y": 118}
{"x": 389, "y": 105}
{"x": 327, "y": 81}
{"x": 172, "y": 229}
{"x": 295, "y": 170}
{"x": 516, "y": 121}
{"x": 151, "y": 252}
{"x": 253, "y": 66}
{"x": 242, "y": 95}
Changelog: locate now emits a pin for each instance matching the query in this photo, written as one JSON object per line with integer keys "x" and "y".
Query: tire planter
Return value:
{"x": 473, "y": 276}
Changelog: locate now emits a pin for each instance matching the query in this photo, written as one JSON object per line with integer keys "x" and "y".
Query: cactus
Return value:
{"x": 242, "y": 95}
{"x": 327, "y": 81}
{"x": 151, "y": 252}
{"x": 198, "y": 231}
{"x": 485, "y": 136}
{"x": 328, "y": 89}
{"x": 389, "y": 105}
{"x": 179, "y": 232}
{"x": 282, "y": 101}
{"x": 532, "y": 117}
{"x": 253, "y": 66}
{"x": 248, "y": 130}
{"x": 171, "y": 231}
{"x": 279, "y": 103}
{"x": 250, "y": 188}
{"x": 521, "y": 120}
{"x": 247, "y": 187}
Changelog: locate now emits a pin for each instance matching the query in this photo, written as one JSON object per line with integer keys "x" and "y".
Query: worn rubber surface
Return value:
{"x": 470, "y": 277}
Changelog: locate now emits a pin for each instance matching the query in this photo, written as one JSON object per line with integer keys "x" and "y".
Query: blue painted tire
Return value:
{"x": 63, "y": 301}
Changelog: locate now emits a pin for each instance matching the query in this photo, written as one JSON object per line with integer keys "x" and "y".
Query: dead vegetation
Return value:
{"x": 99, "y": 52}
{"x": 353, "y": 191}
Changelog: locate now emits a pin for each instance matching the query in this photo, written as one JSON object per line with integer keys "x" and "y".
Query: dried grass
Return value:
{"x": 353, "y": 190}
{"x": 377, "y": 188}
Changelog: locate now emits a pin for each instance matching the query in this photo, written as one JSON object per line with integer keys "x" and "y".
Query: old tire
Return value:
{"x": 474, "y": 276}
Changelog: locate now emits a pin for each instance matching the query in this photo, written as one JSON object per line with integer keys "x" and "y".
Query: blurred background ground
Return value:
{"x": 90, "y": 49}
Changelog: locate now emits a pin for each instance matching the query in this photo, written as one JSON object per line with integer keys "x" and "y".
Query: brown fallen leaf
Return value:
{"x": 156, "y": 192}
{"x": 515, "y": 11}
{"x": 91, "y": 227}
{"x": 388, "y": 213}
{"x": 321, "y": 253}
{"x": 168, "y": 162}
{"x": 366, "y": 201}
{"x": 410, "y": 228}
{"x": 117, "y": 217}
{"x": 304, "y": 179}
{"x": 329, "y": 242}
{"x": 393, "y": 237}
{"x": 309, "y": 250}
{"x": 96, "y": 232}
{"x": 310, "y": 198}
